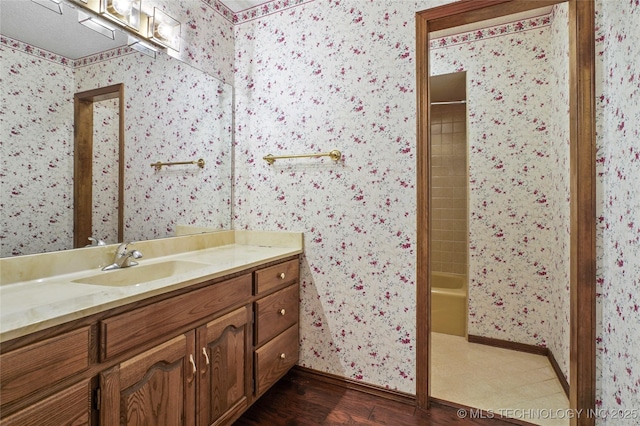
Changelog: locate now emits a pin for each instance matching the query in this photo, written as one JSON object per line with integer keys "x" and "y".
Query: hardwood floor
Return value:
{"x": 301, "y": 400}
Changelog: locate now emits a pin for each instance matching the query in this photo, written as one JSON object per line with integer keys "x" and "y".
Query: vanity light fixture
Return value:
{"x": 96, "y": 25}
{"x": 142, "y": 47}
{"x": 53, "y": 5}
{"x": 164, "y": 30}
{"x": 123, "y": 11}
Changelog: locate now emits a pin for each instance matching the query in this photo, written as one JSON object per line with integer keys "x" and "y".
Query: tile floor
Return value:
{"x": 515, "y": 384}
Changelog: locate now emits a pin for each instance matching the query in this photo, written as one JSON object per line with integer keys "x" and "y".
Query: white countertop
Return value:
{"x": 29, "y": 306}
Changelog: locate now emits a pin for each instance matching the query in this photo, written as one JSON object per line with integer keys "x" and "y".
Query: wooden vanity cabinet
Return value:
{"x": 200, "y": 357}
{"x": 276, "y": 325}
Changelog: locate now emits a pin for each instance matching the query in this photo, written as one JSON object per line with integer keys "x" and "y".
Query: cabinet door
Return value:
{"x": 68, "y": 407}
{"x": 225, "y": 373}
{"x": 156, "y": 387}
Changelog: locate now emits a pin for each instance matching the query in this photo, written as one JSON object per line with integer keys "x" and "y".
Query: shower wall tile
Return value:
{"x": 342, "y": 74}
{"x": 449, "y": 190}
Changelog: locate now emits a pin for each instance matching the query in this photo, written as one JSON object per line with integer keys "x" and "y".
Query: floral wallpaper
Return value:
{"x": 308, "y": 88}
{"x": 106, "y": 149}
{"x": 336, "y": 75}
{"x": 558, "y": 333}
{"x": 618, "y": 208}
{"x": 36, "y": 146}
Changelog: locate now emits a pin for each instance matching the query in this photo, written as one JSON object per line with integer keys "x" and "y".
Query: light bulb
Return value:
{"x": 164, "y": 31}
{"x": 122, "y": 7}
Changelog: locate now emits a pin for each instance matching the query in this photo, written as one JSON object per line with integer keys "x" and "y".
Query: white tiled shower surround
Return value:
{"x": 324, "y": 74}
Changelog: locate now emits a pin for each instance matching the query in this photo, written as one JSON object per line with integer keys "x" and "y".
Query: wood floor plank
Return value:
{"x": 298, "y": 400}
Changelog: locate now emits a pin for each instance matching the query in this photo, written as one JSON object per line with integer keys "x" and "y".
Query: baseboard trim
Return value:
{"x": 523, "y": 347}
{"x": 505, "y": 344}
{"x": 484, "y": 414}
{"x": 347, "y": 383}
{"x": 559, "y": 373}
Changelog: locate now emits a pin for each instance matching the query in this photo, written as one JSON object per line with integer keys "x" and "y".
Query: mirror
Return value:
{"x": 173, "y": 113}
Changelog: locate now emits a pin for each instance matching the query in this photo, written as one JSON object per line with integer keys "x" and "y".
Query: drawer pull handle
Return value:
{"x": 282, "y": 275}
{"x": 193, "y": 364}
{"x": 282, "y": 312}
{"x": 282, "y": 356}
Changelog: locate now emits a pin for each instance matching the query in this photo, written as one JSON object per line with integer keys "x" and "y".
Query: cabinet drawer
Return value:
{"x": 44, "y": 363}
{"x": 275, "y": 358}
{"x": 275, "y": 313}
{"x": 128, "y": 330}
{"x": 71, "y": 406}
{"x": 277, "y": 276}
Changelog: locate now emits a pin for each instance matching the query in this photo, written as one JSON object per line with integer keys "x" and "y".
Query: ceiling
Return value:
{"x": 36, "y": 25}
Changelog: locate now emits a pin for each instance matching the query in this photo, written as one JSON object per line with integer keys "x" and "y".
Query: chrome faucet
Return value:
{"x": 122, "y": 258}
{"x": 95, "y": 242}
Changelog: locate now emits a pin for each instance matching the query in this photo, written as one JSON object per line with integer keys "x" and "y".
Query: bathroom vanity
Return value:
{"x": 196, "y": 343}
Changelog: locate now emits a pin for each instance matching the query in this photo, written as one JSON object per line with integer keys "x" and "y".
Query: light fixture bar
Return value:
{"x": 96, "y": 25}
{"x": 126, "y": 12}
{"x": 142, "y": 47}
{"x": 164, "y": 29}
{"x": 53, "y": 5}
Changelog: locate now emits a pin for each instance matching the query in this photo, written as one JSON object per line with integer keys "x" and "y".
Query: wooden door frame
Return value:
{"x": 582, "y": 165}
{"x": 83, "y": 160}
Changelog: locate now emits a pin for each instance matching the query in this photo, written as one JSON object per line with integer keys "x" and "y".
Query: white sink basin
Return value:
{"x": 140, "y": 273}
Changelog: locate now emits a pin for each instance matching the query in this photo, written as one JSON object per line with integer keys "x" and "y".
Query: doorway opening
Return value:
{"x": 108, "y": 104}
{"x": 582, "y": 185}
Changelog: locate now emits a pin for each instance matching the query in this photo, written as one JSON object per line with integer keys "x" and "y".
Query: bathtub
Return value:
{"x": 449, "y": 303}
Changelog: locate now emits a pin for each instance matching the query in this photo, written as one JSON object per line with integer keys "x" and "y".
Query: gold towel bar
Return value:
{"x": 335, "y": 155}
{"x": 159, "y": 165}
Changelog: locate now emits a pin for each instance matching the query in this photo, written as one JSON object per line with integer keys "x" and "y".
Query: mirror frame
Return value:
{"x": 83, "y": 160}
{"x": 583, "y": 186}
